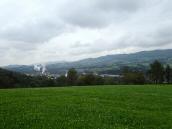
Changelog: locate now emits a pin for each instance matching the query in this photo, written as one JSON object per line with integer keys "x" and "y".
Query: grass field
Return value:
{"x": 103, "y": 107}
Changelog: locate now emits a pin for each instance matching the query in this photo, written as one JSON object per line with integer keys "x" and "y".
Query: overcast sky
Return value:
{"x": 35, "y": 31}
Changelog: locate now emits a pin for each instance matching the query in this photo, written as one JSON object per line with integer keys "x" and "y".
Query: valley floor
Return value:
{"x": 98, "y": 107}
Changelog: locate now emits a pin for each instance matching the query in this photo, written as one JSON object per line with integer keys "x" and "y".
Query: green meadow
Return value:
{"x": 94, "y": 107}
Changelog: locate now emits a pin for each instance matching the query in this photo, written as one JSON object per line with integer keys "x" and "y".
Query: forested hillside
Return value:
{"x": 105, "y": 64}
{"x": 9, "y": 79}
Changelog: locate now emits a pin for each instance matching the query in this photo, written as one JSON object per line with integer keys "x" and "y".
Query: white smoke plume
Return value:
{"x": 40, "y": 68}
{"x": 44, "y": 69}
{"x": 37, "y": 68}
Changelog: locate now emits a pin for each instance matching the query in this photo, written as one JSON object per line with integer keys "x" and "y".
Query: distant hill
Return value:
{"x": 28, "y": 69}
{"x": 104, "y": 64}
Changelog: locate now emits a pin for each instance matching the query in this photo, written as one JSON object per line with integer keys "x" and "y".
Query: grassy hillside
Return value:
{"x": 106, "y": 107}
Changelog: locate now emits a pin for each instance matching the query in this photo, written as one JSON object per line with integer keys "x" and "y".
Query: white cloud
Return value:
{"x": 39, "y": 30}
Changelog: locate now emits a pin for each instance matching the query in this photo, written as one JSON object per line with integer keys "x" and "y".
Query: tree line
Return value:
{"x": 157, "y": 74}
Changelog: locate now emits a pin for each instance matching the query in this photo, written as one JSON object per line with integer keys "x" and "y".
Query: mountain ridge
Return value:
{"x": 103, "y": 63}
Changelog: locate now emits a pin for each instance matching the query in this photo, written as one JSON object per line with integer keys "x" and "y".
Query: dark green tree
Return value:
{"x": 99, "y": 80}
{"x": 89, "y": 79}
{"x": 168, "y": 74}
{"x": 81, "y": 80}
{"x": 110, "y": 81}
{"x": 156, "y": 72}
{"x": 133, "y": 78}
{"x": 61, "y": 81}
{"x": 72, "y": 77}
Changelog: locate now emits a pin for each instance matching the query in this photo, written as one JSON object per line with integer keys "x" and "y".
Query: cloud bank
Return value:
{"x": 40, "y": 31}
